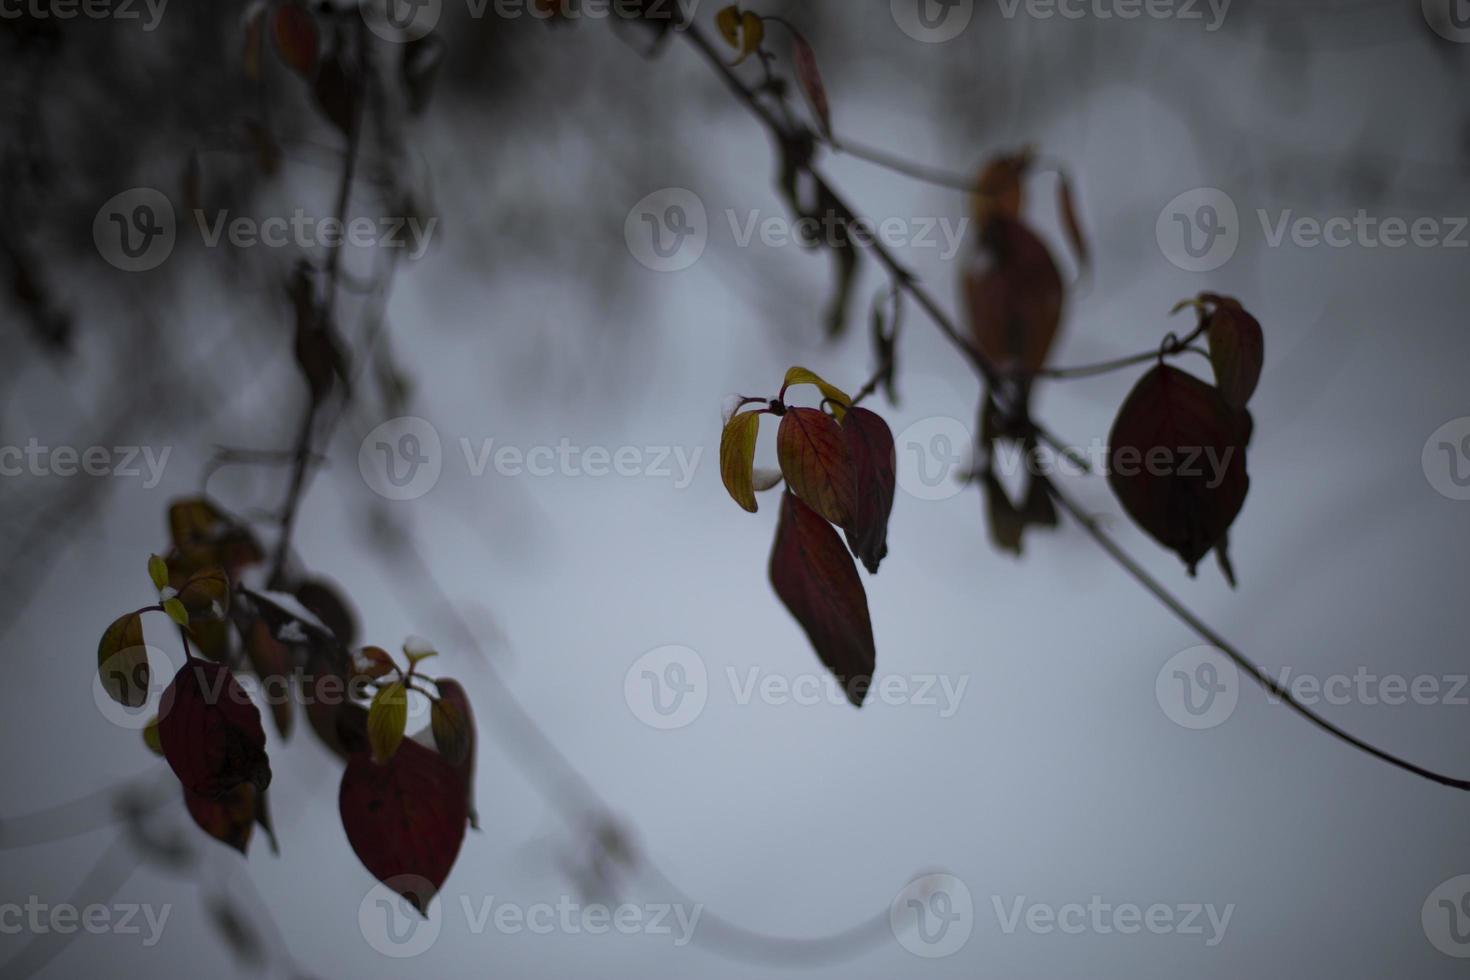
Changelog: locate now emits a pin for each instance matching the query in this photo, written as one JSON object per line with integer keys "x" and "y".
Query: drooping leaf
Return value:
{"x": 1071, "y": 221}
{"x": 457, "y": 743}
{"x": 1237, "y": 351}
{"x": 122, "y": 661}
{"x": 814, "y": 460}
{"x": 809, "y": 76}
{"x": 873, "y": 458}
{"x": 297, "y": 39}
{"x": 210, "y": 731}
{"x": 817, "y": 581}
{"x": 737, "y": 458}
{"x": 387, "y": 717}
{"x": 229, "y": 819}
{"x": 835, "y": 396}
{"x": 158, "y": 572}
{"x": 372, "y": 663}
{"x": 1178, "y": 463}
{"x": 1005, "y": 522}
{"x": 1014, "y": 296}
{"x": 337, "y": 92}
{"x": 405, "y": 819}
{"x": 325, "y": 601}
{"x": 271, "y": 662}
{"x": 998, "y": 192}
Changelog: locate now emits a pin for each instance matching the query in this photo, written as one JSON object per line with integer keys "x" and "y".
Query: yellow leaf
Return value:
{"x": 158, "y": 572}
{"x": 176, "y": 611}
{"x": 122, "y": 661}
{"x": 737, "y": 457}
{"x": 839, "y": 398}
{"x": 753, "y": 31}
{"x": 387, "y": 718}
{"x": 728, "y": 21}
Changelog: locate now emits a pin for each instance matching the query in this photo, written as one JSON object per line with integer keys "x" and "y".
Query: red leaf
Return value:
{"x": 405, "y": 819}
{"x": 1014, "y": 297}
{"x": 814, "y": 460}
{"x": 296, "y": 36}
{"x": 870, "y": 447}
{"x": 461, "y": 730}
{"x": 810, "y": 79}
{"x": 1237, "y": 350}
{"x": 229, "y": 819}
{"x": 816, "y": 579}
{"x": 210, "y": 731}
{"x": 1178, "y": 461}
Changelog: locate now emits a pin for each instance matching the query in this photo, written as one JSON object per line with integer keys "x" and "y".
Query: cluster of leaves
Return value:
{"x": 837, "y": 461}
{"x": 404, "y": 802}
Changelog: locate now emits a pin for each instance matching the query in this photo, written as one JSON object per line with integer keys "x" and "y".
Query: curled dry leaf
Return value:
{"x": 122, "y": 661}
{"x": 1237, "y": 350}
{"x": 871, "y": 451}
{"x": 835, "y": 396}
{"x": 1071, "y": 222}
{"x": 1178, "y": 462}
{"x": 210, "y": 731}
{"x": 816, "y": 580}
{"x": 405, "y": 819}
{"x": 737, "y": 458}
{"x": 809, "y": 76}
{"x": 814, "y": 460}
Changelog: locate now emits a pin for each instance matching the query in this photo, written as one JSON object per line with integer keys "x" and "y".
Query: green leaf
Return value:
{"x": 176, "y": 611}
{"x": 737, "y": 458}
{"x": 122, "y": 661}
{"x": 158, "y": 572}
{"x": 387, "y": 718}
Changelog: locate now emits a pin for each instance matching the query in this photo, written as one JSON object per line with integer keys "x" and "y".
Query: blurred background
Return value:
{"x": 1040, "y": 767}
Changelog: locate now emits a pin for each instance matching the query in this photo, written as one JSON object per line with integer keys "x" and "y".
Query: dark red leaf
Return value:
{"x": 815, "y": 578}
{"x": 1014, "y": 295}
{"x": 296, "y": 37}
{"x": 230, "y": 818}
{"x": 810, "y": 78}
{"x": 405, "y": 818}
{"x": 272, "y": 664}
{"x": 814, "y": 460}
{"x": 210, "y": 731}
{"x": 1178, "y": 463}
{"x": 870, "y": 448}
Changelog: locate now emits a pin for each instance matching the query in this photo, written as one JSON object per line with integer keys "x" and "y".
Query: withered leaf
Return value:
{"x": 873, "y": 458}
